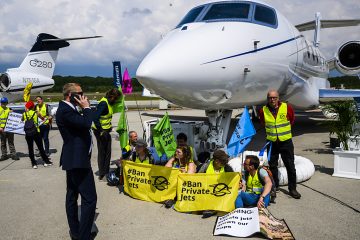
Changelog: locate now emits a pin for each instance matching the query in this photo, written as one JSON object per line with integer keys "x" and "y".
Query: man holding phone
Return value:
{"x": 75, "y": 129}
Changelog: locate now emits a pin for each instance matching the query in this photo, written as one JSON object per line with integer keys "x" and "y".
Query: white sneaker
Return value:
{"x": 34, "y": 166}
{"x": 47, "y": 164}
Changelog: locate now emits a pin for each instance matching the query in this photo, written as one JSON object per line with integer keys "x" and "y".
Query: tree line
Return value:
{"x": 90, "y": 84}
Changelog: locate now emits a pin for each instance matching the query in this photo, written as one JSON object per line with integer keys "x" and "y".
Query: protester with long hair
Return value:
{"x": 182, "y": 160}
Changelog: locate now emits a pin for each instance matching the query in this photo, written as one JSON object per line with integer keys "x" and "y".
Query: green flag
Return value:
{"x": 122, "y": 124}
{"x": 163, "y": 137}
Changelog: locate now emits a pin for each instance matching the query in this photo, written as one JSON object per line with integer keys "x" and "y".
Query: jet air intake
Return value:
{"x": 348, "y": 58}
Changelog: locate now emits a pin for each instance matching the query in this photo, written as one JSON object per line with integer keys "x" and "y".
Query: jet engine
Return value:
{"x": 347, "y": 59}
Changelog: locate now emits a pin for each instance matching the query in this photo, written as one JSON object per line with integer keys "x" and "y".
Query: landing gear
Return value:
{"x": 214, "y": 135}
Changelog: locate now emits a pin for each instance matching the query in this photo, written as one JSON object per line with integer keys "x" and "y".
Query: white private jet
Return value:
{"x": 226, "y": 55}
{"x": 37, "y": 67}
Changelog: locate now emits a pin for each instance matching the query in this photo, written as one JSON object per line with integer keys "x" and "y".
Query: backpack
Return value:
{"x": 29, "y": 126}
{"x": 273, "y": 187}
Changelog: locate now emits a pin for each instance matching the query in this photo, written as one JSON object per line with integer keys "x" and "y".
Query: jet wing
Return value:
{"x": 327, "y": 95}
{"x": 328, "y": 24}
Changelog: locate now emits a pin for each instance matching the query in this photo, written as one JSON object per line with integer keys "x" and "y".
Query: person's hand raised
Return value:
{"x": 83, "y": 101}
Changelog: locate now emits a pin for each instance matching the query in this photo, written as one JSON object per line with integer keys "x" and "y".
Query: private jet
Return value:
{"x": 226, "y": 55}
{"x": 37, "y": 67}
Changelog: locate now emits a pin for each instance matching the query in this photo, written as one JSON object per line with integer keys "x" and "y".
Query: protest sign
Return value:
{"x": 14, "y": 124}
{"x": 149, "y": 182}
{"x": 201, "y": 191}
{"x": 163, "y": 137}
{"x": 244, "y": 222}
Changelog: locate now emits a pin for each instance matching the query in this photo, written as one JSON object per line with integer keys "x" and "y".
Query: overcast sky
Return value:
{"x": 131, "y": 28}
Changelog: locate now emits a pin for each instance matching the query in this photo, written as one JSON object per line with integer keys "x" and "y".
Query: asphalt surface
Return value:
{"x": 33, "y": 201}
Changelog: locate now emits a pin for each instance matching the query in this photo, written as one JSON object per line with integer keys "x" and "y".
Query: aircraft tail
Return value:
{"x": 42, "y": 56}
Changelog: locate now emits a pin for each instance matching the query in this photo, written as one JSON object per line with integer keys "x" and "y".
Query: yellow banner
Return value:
{"x": 149, "y": 182}
{"x": 201, "y": 191}
{"x": 27, "y": 91}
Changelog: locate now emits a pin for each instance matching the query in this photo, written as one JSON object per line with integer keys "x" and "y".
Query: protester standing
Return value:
{"x": 32, "y": 134}
{"x": 278, "y": 117}
{"x": 75, "y": 129}
{"x": 6, "y": 136}
{"x": 102, "y": 127}
{"x": 43, "y": 111}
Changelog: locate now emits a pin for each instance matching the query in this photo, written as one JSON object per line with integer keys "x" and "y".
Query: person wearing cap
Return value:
{"x": 6, "y": 136}
{"x": 218, "y": 164}
{"x": 102, "y": 127}
{"x": 142, "y": 154}
{"x": 28, "y": 115}
{"x": 43, "y": 112}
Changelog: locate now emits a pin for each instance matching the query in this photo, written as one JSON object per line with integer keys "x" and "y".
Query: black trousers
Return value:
{"x": 286, "y": 150}
{"x": 104, "y": 151}
{"x": 80, "y": 181}
{"x": 38, "y": 140}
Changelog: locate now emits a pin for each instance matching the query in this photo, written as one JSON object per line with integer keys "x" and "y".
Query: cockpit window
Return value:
{"x": 227, "y": 11}
{"x": 265, "y": 15}
{"x": 191, "y": 16}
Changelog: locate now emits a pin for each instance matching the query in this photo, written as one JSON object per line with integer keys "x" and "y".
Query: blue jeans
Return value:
{"x": 250, "y": 199}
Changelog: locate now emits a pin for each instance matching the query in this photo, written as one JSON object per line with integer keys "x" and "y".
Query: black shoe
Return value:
{"x": 295, "y": 194}
{"x": 101, "y": 177}
{"x": 207, "y": 214}
{"x": 277, "y": 189}
{"x": 72, "y": 236}
{"x": 169, "y": 203}
{"x": 15, "y": 157}
{"x": 93, "y": 235}
{"x": 4, "y": 157}
{"x": 48, "y": 163}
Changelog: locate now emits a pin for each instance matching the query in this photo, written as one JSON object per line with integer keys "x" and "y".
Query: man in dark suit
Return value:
{"x": 75, "y": 157}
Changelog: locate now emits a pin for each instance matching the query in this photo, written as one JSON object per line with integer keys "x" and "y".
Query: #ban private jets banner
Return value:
{"x": 201, "y": 191}
{"x": 149, "y": 182}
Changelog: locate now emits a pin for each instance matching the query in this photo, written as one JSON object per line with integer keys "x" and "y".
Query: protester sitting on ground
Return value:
{"x": 142, "y": 154}
{"x": 182, "y": 160}
{"x": 130, "y": 147}
{"x": 218, "y": 164}
{"x": 257, "y": 185}
{"x": 181, "y": 140}
{"x": 32, "y": 134}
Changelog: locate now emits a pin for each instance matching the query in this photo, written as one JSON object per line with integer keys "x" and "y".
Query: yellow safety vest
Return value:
{"x": 27, "y": 116}
{"x": 253, "y": 184}
{"x": 43, "y": 113}
{"x": 146, "y": 160}
{"x": 211, "y": 169}
{"x": 279, "y": 128}
{"x": 105, "y": 121}
{"x": 4, "y": 113}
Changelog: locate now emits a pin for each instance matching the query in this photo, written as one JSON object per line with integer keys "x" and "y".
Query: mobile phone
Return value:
{"x": 72, "y": 98}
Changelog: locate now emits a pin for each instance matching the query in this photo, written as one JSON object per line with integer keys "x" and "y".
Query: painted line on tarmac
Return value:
{"x": 7, "y": 165}
{"x": 332, "y": 198}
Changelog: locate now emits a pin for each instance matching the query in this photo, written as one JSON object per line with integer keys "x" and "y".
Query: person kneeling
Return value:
{"x": 256, "y": 192}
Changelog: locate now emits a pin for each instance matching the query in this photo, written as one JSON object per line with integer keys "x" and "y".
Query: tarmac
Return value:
{"x": 33, "y": 200}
